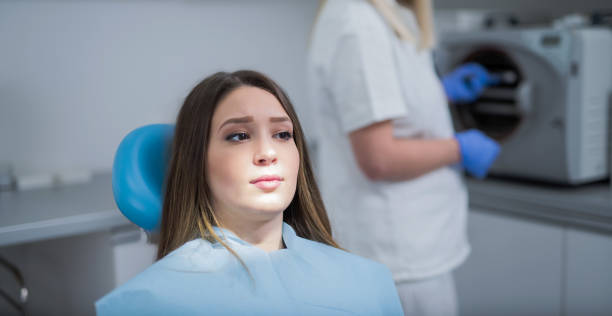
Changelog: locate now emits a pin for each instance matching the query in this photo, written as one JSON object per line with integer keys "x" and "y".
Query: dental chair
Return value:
{"x": 139, "y": 171}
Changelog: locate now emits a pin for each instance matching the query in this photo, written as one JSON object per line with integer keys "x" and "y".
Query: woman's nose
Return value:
{"x": 265, "y": 154}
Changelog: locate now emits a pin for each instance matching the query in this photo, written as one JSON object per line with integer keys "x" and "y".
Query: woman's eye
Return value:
{"x": 237, "y": 137}
{"x": 284, "y": 135}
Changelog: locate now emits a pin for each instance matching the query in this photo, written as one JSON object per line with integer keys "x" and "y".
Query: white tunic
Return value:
{"x": 360, "y": 73}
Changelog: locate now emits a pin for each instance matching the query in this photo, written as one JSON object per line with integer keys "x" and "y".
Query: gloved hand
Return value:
{"x": 478, "y": 152}
{"x": 466, "y": 82}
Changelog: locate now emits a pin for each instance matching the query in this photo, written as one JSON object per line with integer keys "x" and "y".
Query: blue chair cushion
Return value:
{"x": 139, "y": 170}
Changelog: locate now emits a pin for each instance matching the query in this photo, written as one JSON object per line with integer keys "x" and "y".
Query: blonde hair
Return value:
{"x": 422, "y": 10}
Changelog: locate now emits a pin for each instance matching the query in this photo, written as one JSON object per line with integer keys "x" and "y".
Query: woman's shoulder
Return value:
{"x": 356, "y": 281}
{"x": 195, "y": 258}
{"x": 342, "y": 259}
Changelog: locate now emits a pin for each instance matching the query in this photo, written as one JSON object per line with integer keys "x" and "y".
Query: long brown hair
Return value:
{"x": 187, "y": 208}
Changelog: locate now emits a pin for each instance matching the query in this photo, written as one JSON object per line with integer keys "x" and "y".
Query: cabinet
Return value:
{"x": 589, "y": 273}
{"x": 525, "y": 266}
{"x": 515, "y": 267}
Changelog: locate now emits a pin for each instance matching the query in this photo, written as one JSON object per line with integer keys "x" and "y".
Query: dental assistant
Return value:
{"x": 389, "y": 163}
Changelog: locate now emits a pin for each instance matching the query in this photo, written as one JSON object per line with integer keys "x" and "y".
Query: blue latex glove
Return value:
{"x": 478, "y": 152}
{"x": 466, "y": 82}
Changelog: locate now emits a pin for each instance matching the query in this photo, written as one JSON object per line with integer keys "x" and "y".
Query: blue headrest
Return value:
{"x": 139, "y": 171}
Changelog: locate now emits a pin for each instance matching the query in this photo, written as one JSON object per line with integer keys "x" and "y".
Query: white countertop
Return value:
{"x": 587, "y": 205}
{"x": 27, "y": 216}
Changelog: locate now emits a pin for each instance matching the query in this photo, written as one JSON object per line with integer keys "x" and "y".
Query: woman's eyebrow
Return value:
{"x": 237, "y": 120}
{"x": 248, "y": 119}
{"x": 279, "y": 119}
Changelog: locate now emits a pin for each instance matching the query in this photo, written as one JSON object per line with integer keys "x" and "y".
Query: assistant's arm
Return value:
{"x": 383, "y": 157}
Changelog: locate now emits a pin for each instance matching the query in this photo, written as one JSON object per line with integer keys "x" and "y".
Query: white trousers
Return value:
{"x": 434, "y": 296}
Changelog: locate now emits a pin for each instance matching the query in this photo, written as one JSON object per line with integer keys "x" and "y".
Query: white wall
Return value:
{"x": 76, "y": 76}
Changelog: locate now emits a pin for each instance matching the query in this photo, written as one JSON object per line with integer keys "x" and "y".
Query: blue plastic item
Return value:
{"x": 478, "y": 152}
{"x": 139, "y": 171}
{"x": 306, "y": 278}
{"x": 466, "y": 82}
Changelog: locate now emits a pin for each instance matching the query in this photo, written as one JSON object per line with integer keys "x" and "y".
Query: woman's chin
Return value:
{"x": 269, "y": 204}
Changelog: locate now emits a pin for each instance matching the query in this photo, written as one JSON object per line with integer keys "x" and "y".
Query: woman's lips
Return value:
{"x": 267, "y": 183}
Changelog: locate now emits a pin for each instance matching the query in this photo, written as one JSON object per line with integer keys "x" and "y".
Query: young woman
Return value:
{"x": 387, "y": 152}
{"x": 244, "y": 230}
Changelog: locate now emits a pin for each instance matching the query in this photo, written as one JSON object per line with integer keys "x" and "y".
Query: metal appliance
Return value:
{"x": 551, "y": 111}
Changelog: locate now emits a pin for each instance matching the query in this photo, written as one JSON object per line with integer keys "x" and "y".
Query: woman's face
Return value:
{"x": 253, "y": 161}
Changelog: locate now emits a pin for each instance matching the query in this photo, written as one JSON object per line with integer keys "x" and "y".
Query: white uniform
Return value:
{"x": 360, "y": 73}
